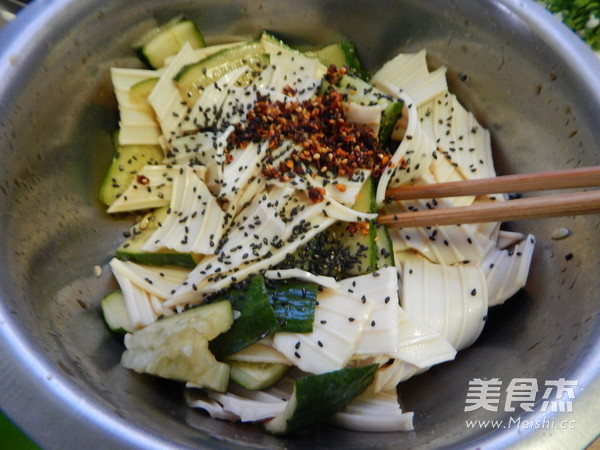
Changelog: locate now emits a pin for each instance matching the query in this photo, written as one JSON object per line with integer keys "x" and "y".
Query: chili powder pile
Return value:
{"x": 327, "y": 141}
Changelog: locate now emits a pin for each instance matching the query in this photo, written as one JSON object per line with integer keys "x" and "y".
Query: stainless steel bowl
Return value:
{"x": 527, "y": 78}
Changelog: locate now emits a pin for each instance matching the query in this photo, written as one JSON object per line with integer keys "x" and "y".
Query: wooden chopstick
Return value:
{"x": 500, "y": 211}
{"x": 556, "y": 179}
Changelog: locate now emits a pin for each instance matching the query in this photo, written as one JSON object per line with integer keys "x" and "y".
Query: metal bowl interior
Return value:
{"x": 525, "y": 76}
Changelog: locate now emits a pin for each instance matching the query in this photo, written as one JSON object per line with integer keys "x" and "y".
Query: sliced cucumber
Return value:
{"x": 260, "y": 352}
{"x": 166, "y": 40}
{"x": 131, "y": 249}
{"x": 343, "y": 250}
{"x": 256, "y": 318}
{"x": 177, "y": 347}
{"x": 355, "y": 239}
{"x": 365, "y": 200}
{"x": 272, "y": 44}
{"x": 384, "y": 250}
{"x": 150, "y": 188}
{"x": 187, "y": 31}
{"x": 363, "y": 93}
{"x": 139, "y": 92}
{"x": 294, "y": 304}
{"x": 127, "y": 161}
{"x": 115, "y": 313}
{"x": 341, "y": 54}
{"x": 193, "y": 77}
{"x": 255, "y": 376}
{"x": 316, "y": 397}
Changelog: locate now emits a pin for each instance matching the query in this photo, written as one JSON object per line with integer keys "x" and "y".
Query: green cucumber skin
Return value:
{"x": 252, "y": 48}
{"x": 273, "y": 39}
{"x": 192, "y": 31}
{"x": 294, "y": 304}
{"x": 383, "y": 246}
{"x": 388, "y": 121}
{"x": 192, "y": 78}
{"x": 319, "y": 396}
{"x": 131, "y": 249}
{"x": 141, "y": 47}
{"x": 352, "y": 60}
{"x": 257, "y": 319}
{"x": 162, "y": 258}
{"x": 115, "y": 314}
{"x": 140, "y": 91}
{"x": 342, "y": 54}
{"x": 381, "y": 243}
{"x": 128, "y": 159}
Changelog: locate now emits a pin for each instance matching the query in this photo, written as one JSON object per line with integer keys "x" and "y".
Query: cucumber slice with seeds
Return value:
{"x": 343, "y": 250}
{"x": 139, "y": 92}
{"x": 355, "y": 239}
{"x": 115, "y": 313}
{"x": 255, "y": 376}
{"x": 127, "y": 161}
{"x": 384, "y": 250}
{"x": 176, "y": 347}
{"x": 193, "y": 77}
{"x": 341, "y": 54}
{"x": 166, "y": 40}
{"x": 272, "y": 44}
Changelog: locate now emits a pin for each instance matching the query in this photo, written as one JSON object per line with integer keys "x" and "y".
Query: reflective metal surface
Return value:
{"x": 9, "y": 9}
{"x": 527, "y": 78}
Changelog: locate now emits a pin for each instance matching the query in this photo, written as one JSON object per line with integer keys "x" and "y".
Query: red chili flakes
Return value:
{"x": 289, "y": 91}
{"x": 316, "y": 194}
{"x": 142, "y": 179}
{"x": 341, "y": 187}
{"x": 329, "y": 143}
{"x": 364, "y": 228}
{"x": 358, "y": 227}
{"x": 335, "y": 74}
{"x": 352, "y": 228}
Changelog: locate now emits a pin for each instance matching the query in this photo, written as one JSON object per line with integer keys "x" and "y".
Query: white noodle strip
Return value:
{"x": 299, "y": 274}
{"x": 374, "y": 412}
{"x": 415, "y": 153}
{"x": 409, "y": 72}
